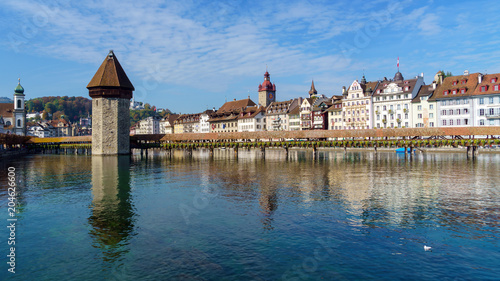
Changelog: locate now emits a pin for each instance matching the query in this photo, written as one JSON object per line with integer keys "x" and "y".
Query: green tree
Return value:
{"x": 50, "y": 108}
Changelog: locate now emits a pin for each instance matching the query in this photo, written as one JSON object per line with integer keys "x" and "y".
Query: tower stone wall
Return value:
{"x": 110, "y": 126}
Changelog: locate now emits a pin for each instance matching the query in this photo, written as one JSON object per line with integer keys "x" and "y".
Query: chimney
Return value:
{"x": 479, "y": 78}
{"x": 466, "y": 72}
{"x": 422, "y": 75}
{"x": 234, "y": 99}
{"x": 434, "y": 85}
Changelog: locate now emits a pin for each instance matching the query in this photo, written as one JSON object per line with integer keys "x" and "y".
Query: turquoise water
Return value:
{"x": 337, "y": 217}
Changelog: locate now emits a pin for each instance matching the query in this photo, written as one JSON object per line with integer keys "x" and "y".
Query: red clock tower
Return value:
{"x": 267, "y": 91}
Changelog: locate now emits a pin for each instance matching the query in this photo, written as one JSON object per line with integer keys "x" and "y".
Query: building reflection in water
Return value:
{"x": 372, "y": 189}
{"x": 112, "y": 217}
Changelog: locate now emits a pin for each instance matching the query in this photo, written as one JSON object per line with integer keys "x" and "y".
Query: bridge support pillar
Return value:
{"x": 472, "y": 151}
{"x": 286, "y": 151}
{"x": 315, "y": 152}
{"x": 263, "y": 151}
{"x": 235, "y": 152}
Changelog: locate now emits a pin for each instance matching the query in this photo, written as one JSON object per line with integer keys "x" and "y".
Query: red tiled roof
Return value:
{"x": 251, "y": 112}
{"x": 488, "y": 84}
{"x": 236, "y": 105}
{"x": 466, "y": 82}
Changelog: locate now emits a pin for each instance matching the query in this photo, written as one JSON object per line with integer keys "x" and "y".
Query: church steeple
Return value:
{"x": 312, "y": 91}
{"x": 19, "y": 110}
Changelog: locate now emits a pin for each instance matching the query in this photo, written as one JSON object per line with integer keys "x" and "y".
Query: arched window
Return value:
{"x": 19, "y": 104}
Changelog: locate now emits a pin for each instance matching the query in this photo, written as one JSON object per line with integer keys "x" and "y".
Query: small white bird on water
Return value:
{"x": 427, "y": 248}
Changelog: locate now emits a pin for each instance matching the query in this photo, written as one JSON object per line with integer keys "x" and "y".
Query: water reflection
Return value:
{"x": 112, "y": 218}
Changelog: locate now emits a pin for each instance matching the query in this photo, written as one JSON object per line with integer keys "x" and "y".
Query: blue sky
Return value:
{"x": 191, "y": 55}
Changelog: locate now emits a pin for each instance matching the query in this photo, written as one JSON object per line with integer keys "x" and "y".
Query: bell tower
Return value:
{"x": 267, "y": 91}
{"x": 19, "y": 111}
{"x": 111, "y": 91}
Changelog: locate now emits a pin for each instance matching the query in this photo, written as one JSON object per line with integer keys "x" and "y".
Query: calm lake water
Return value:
{"x": 341, "y": 216}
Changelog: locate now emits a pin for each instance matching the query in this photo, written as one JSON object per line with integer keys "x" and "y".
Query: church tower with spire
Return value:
{"x": 19, "y": 111}
{"x": 312, "y": 91}
{"x": 111, "y": 91}
{"x": 267, "y": 91}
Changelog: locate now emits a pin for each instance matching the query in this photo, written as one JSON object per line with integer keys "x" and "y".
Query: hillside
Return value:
{"x": 72, "y": 108}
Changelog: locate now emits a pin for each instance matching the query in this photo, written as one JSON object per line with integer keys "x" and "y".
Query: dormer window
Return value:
{"x": 407, "y": 88}
{"x": 406, "y": 82}
{"x": 464, "y": 81}
{"x": 495, "y": 87}
{"x": 454, "y": 92}
{"x": 455, "y": 83}
{"x": 462, "y": 91}
{"x": 378, "y": 91}
{"x": 493, "y": 80}
{"x": 445, "y": 93}
{"x": 484, "y": 88}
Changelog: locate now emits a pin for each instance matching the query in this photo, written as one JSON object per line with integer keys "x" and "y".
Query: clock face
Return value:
{"x": 270, "y": 96}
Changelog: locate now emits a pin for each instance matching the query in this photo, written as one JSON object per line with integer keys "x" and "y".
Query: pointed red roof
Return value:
{"x": 110, "y": 75}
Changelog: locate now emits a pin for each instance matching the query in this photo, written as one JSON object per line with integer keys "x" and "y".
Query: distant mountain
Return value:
{"x": 5, "y": 100}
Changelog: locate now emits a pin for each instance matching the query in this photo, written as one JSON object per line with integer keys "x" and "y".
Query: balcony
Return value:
{"x": 493, "y": 116}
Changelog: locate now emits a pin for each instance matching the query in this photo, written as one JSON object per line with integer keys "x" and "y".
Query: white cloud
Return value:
{"x": 429, "y": 25}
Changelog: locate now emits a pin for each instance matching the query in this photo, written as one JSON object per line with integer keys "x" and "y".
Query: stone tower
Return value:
{"x": 267, "y": 91}
{"x": 19, "y": 111}
{"x": 111, "y": 91}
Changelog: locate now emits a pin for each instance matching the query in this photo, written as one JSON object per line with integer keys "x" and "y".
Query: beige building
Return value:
{"x": 357, "y": 104}
{"x": 423, "y": 110}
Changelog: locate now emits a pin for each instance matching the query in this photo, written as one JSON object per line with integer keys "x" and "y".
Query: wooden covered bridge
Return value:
{"x": 466, "y": 137}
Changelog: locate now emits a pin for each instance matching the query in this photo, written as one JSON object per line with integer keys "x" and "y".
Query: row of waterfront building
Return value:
{"x": 471, "y": 99}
